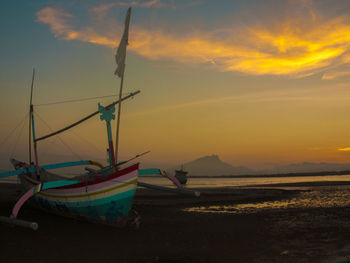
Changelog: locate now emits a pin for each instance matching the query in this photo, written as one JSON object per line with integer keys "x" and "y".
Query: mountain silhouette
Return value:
{"x": 213, "y": 166}
{"x": 312, "y": 167}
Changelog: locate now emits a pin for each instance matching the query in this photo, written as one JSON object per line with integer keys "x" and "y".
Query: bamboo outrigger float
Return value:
{"x": 104, "y": 195}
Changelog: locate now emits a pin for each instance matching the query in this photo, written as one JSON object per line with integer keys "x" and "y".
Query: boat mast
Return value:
{"x": 120, "y": 59}
{"x": 35, "y": 146}
{"x": 118, "y": 119}
{"x": 31, "y": 114}
{"x": 30, "y": 120}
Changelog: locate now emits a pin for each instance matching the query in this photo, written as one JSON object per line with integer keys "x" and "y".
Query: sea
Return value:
{"x": 313, "y": 198}
{"x": 209, "y": 182}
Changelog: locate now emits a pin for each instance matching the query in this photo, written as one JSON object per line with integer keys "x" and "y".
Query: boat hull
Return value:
{"x": 104, "y": 198}
{"x": 181, "y": 176}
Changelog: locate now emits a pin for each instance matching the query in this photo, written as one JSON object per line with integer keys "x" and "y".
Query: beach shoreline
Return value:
{"x": 169, "y": 233}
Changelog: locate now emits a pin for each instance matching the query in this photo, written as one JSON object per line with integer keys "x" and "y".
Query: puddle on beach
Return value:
{"x": 312, "y": 199}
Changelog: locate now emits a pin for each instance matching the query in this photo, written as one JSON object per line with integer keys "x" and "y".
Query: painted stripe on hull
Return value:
{"x": 107, "y": 175}
{"x": 101, "y": 200}
{"x": 86, "y": 193}
{"x": 96, "y": 187}
{"x": 104, "y": 210}
{"x": 86, "y": 188}
{"x": 90, "y": 197}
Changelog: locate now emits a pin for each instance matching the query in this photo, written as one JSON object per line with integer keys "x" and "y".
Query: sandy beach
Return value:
{"x": 285, "y": 223}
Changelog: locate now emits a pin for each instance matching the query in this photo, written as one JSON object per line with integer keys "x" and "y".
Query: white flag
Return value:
{"x": 121, "y": 51}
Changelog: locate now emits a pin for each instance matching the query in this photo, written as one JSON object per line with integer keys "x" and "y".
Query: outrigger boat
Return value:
{"x": 103, "y": 195}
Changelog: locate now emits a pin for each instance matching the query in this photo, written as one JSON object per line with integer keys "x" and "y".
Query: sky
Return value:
{"x": 258, "y": 83}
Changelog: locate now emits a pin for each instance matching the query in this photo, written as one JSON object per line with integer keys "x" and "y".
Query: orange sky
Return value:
{"x": 273, "y": 89}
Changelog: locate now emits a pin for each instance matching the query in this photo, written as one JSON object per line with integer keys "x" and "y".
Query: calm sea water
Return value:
{"x": 337, "y": 197}
{"x": 310, "y": 199}
{"x": 226, "y": 182}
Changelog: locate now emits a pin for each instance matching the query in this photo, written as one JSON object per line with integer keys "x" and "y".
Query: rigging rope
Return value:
{"x": 75, "y": 100}
{"x": 13, "y": 130}
{"x": 19, "y": 136}
{"x": 90, "y": 143}
{"x": 67, "y": 146}
{"x": 131, "y": 95}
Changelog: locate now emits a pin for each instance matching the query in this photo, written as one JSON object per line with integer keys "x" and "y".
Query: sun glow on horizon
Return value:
{"x": 344, "y": 149}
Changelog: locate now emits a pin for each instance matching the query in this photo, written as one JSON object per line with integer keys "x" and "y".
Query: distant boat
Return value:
{"x": 181, "y": 176}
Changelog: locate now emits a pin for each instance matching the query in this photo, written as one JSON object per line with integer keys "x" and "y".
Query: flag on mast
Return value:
{"x": 121, "y": 51}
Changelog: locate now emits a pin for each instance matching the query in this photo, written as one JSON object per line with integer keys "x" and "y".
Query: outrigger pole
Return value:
{"x": 120, "y": 59}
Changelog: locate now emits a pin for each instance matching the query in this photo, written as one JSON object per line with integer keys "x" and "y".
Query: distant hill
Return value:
{"x": 210, "y": 165}
{"x": 213, "y": 166}
{"x": 307, "y": 167}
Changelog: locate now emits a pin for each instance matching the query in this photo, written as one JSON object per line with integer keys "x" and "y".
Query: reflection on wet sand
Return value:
{"x": 308, "y": 199}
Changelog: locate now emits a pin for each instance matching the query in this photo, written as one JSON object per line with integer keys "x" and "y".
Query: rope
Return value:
{"x": 74, "y": 100}
{"x": 19, "y": 136}
{"x": 13, "y": 130}
{"x": 67, "y": 146}
{"x": 90, "y": 143}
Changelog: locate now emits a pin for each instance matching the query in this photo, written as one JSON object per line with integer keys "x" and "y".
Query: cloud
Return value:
{"x": 147, "y": 4}
{"x": 156, "y": 4}
{"x": 294, "y": 46}
{"x": 333, "y": 94}
{"x": 335, "y": 74}
{"x": 344, "y": 149}
{"x": 340, "y": 71}
{"x": 103, "y": 8}
{"x": 58, "y": 20}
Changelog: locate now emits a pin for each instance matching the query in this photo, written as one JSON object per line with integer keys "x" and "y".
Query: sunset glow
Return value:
{"x": 289, "y": 49}
{"x": 344, "y": 149}
{"x": 258, "y": 83}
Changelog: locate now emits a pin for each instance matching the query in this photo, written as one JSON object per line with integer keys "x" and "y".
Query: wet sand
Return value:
{"x": 170, "y": 232}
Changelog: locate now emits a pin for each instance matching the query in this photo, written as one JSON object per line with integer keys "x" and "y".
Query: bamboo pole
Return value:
{"x": 118, "y": 117}
{"x": 19, "y": 222}
{"x": 86, "y": 118}
{"x": 35, "y": 147}
{"x": 30, "y": 119}
{"x": 120, "y": 59}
